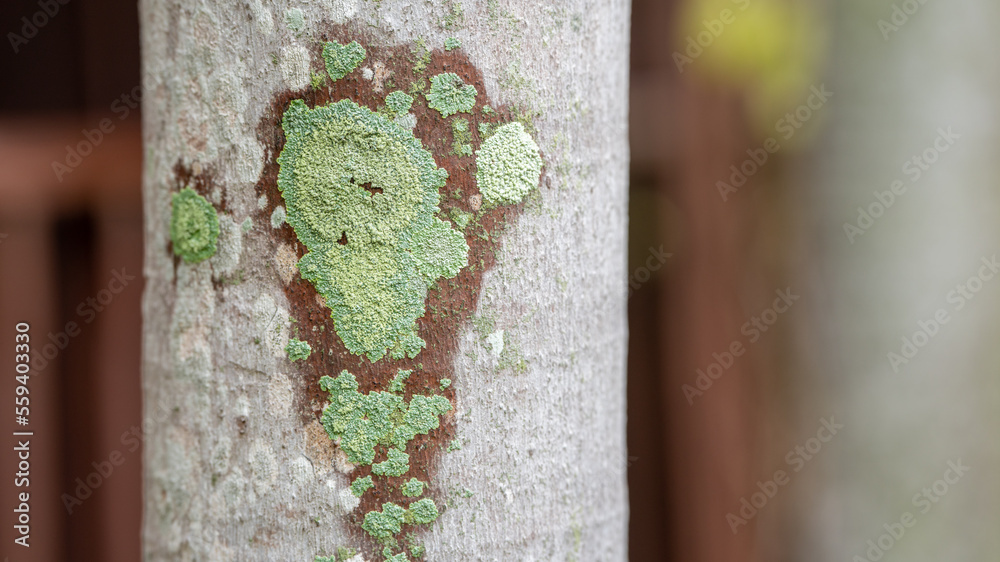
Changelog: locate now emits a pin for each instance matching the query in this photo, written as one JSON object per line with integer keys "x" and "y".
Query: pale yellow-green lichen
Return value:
{"x": 298, "y": 350}
{"x": 508, "y": 165}
{"x": 362, "y": 195}
{"x": 449, "y": 95}
{"x": 342, "y": 59}
{"x": 363, "y": 421}
{"x": 412, "y": 488}
{"x": 399, "y": 102}
{"x": 361, "y": 485}
{"x": 194, "y": 226}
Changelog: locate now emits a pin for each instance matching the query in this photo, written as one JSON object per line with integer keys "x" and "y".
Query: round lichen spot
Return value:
{"x": 362, "y": 194}
{"x": 385, "y": 524}
{"x": 278, "y": 217}
{"x": 361, "y": 485}
{"x": 508, "y": 165}
{"x": 342, "y": 59}
{"x": 194, "y": 226}
{"x": 452, "y": 43}
{"x": 399, "y": 102}
{"x": 423, "y": 511}
{"x": 413, "y": 488}
{"x": 449, "y": 95}
{"x": 298, "y": 350}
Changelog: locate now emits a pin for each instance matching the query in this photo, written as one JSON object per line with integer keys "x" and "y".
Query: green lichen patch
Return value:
{"x": 194, "y": 226}
{"x": 417, "y": 550}
{"x": 397, "y": 464}
{"x": 363, "y": 421}
{"x": 342, "y": 59}
{"x": 399, "y": 102}
{"x": 389, "y": 557}
{"x": 462, "y": 145}
{"x": 485, "y": 129}
{"x": 445, "y": 383}
{"x": 422, "y": 57}
{"x": 455, "y": 17}
{"x": 386, "y": 524}
{"x": 508, "y": 165}
{"x": 413, "y": 488}
{"x": 398, "y": 383}
{"x": 423, "y": 511}
{"x": 452, "y": 43}
{"x": 460, "y": 218}
{"x": 449, "y": 95}
{"x": 361, "y": 485}
{"x": 317, "y": 80}
{"x": 362, "y": 195}
{"x": 298, "y": 350}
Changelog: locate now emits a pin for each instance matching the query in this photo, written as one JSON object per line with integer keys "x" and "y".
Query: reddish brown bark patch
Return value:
{"x": 449, "y": 303}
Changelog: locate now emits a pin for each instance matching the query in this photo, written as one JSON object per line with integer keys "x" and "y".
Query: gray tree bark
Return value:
{"x": 236, "y": 465}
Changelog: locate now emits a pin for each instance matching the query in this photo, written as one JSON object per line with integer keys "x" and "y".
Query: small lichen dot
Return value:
{"x": 298, "y": 350}
{"x": 342, "y": 59}
{"x": 423, "y": 511}
{"x": 278, "y": 217}
{"x": 508, "y": 165}
{"x": 399, "y": 102}
{"x": 361, "y": 485}
{"x": 452, "y": 43}
{"x": 194, "y": 226}
{"x": 412, "y": 488}
{"x": 449, "y": 95}
{"x": 397, "y": 464}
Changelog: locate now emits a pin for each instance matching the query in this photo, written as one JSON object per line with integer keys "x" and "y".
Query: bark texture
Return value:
{"x": 236, "y": 466}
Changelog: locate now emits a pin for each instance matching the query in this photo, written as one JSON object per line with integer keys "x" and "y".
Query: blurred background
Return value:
{"x": 812, "y": 373}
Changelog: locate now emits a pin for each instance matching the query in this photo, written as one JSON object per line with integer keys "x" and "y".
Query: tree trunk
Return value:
{"x": 903, "y": 217}
{"x": 526, "y": 459}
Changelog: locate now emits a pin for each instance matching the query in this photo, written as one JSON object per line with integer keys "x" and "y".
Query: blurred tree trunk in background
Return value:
{"x": 876, "y": 274}
{"x": 541, "y": 475}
